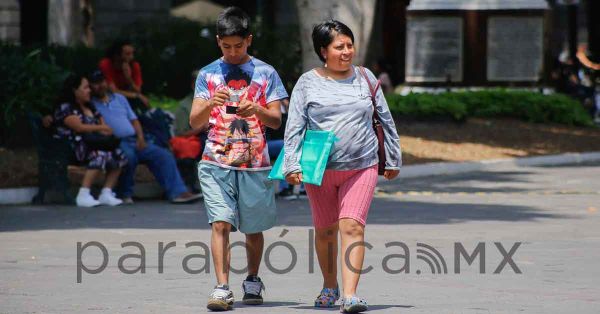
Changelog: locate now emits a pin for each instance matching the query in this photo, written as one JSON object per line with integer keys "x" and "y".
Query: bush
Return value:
{"x": 274, "y": 47}
{"x": 78, "y": 59}
{"x": 426, "y": 106}
{"x": 169, "y": 49}
{"x": 164, "y": 103}
{"x": 27, "y": 84}
{"x": 524, "y": 105}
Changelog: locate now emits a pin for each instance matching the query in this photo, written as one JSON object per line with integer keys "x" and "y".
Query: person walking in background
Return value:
{"x": 337, "y": 98}
{"x": 78, "y": 120}
{"x": 238, "y": 96}
{"x": 380, "y": 68}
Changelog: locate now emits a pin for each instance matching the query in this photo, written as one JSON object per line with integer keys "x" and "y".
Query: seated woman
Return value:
{"x": 77, "y": 119}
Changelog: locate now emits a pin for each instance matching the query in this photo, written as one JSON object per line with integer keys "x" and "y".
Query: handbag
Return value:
{"x": 315, "y": 153}
{"x": 99, "y": 141}
{"x": 377, "y": 127}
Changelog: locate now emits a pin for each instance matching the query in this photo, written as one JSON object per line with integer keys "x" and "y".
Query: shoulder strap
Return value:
{"x": 373, "y": 90}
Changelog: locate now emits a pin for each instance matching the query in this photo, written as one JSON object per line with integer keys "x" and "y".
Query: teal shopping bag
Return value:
{"x": 315, "y": 153}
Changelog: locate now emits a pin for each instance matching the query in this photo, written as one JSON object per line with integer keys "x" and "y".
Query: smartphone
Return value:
{"x": 231, "y": 109}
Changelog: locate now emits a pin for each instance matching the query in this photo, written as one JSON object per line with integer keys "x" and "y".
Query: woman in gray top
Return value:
{"x": 337, "y": 98}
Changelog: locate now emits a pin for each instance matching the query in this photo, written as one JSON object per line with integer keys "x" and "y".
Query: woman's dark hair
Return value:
{"x": 115, "y": 49}
{"x": 323, "y": 34}
{"x": 233, "y": 21}
{"x": 67, "y": 94}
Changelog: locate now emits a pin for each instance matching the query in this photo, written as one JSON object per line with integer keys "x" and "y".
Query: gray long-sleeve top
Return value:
{"x": 345, "y": 108}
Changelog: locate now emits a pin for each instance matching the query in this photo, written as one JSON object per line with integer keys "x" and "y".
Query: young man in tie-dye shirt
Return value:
{"x": 238, "y": 96}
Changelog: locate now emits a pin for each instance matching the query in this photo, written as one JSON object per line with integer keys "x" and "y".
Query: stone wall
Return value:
{"x": 10, "y": 19}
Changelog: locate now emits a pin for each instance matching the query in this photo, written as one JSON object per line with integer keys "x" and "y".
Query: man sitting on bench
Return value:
{"x": 119, "y": 116}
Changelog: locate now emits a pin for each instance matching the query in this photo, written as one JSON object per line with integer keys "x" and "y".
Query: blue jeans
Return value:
{"x": 160, "y": 162}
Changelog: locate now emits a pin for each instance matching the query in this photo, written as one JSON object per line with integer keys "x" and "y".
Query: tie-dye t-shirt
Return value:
{"x": 233, "y": 141}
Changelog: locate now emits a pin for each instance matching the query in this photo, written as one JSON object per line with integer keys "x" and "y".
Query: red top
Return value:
{"x": 114, "y": 75}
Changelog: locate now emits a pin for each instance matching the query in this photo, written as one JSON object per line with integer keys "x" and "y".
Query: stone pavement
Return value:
{"x": 552, "y": 211}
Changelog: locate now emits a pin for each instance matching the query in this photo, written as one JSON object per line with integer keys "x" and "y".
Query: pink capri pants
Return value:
{"x": 342, "y": 194}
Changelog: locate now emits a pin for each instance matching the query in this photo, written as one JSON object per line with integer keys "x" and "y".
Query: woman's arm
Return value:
{"x": 129, "y": 94}
{"x": 295, "y": 130}
{"x": 582, "y": 57}
{"x": 393, "y": 152}
{"x": 107, "y": 132}
{"x": 74, "y": 123}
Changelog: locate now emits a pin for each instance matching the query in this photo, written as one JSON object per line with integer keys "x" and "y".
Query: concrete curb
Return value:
{"x": 17, "y": 195}
{"x": 150, "y": 190}
{"x": 444, "y": 168}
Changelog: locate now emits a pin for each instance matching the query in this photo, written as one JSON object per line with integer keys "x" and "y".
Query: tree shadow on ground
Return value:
{"x": 472, "y": 182}
{"x": 376, "y": 307}
{"x": 157, "y": 215}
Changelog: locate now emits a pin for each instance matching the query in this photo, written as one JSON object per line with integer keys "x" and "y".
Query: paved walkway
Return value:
{"x": 552, "y": 211}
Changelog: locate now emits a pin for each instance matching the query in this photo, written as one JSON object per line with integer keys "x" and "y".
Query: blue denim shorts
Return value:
{"x": 244, "y": 199}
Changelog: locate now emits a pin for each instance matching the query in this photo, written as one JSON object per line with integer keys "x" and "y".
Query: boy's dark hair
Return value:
{"x": 233, "y": 21}
{"x": 115, "y": 49}
{"x": 323, "y": 34}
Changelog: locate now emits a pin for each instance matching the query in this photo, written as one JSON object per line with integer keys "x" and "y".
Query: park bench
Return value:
{"x": 54, "y": 156}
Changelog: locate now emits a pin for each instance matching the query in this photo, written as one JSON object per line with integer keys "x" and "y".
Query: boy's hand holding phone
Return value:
{"x": 219, "y": 98}
{"x": 247, "y": 107}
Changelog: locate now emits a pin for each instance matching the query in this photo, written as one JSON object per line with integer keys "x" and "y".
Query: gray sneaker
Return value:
{"x": 221, "y": 299}
{"x": 253, "y": 288}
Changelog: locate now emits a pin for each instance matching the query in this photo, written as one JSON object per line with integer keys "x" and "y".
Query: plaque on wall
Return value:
{"x": 434, "y": 49}
{"x": 514, "y": 48}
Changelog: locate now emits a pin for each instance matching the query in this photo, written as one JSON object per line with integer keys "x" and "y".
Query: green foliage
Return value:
{"x": 279, "y": 48}
{"x": 78, "y": 59}
{"x": 524, "y": 105}
{"x": 426, "y": 106}
{"x": 164, "y": 103}
{"x": 27, "y": 83}
{"x": 169, "y": 49}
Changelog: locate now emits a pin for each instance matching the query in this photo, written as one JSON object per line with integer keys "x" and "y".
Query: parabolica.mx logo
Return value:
{"x": 399, "y": 256}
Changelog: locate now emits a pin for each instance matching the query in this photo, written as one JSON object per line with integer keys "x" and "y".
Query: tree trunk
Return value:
{"x": 70, "y": 22}
{"x": 357, "y": 14}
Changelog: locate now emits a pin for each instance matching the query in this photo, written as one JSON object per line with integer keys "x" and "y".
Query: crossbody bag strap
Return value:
{"x": 372, "y": 89}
